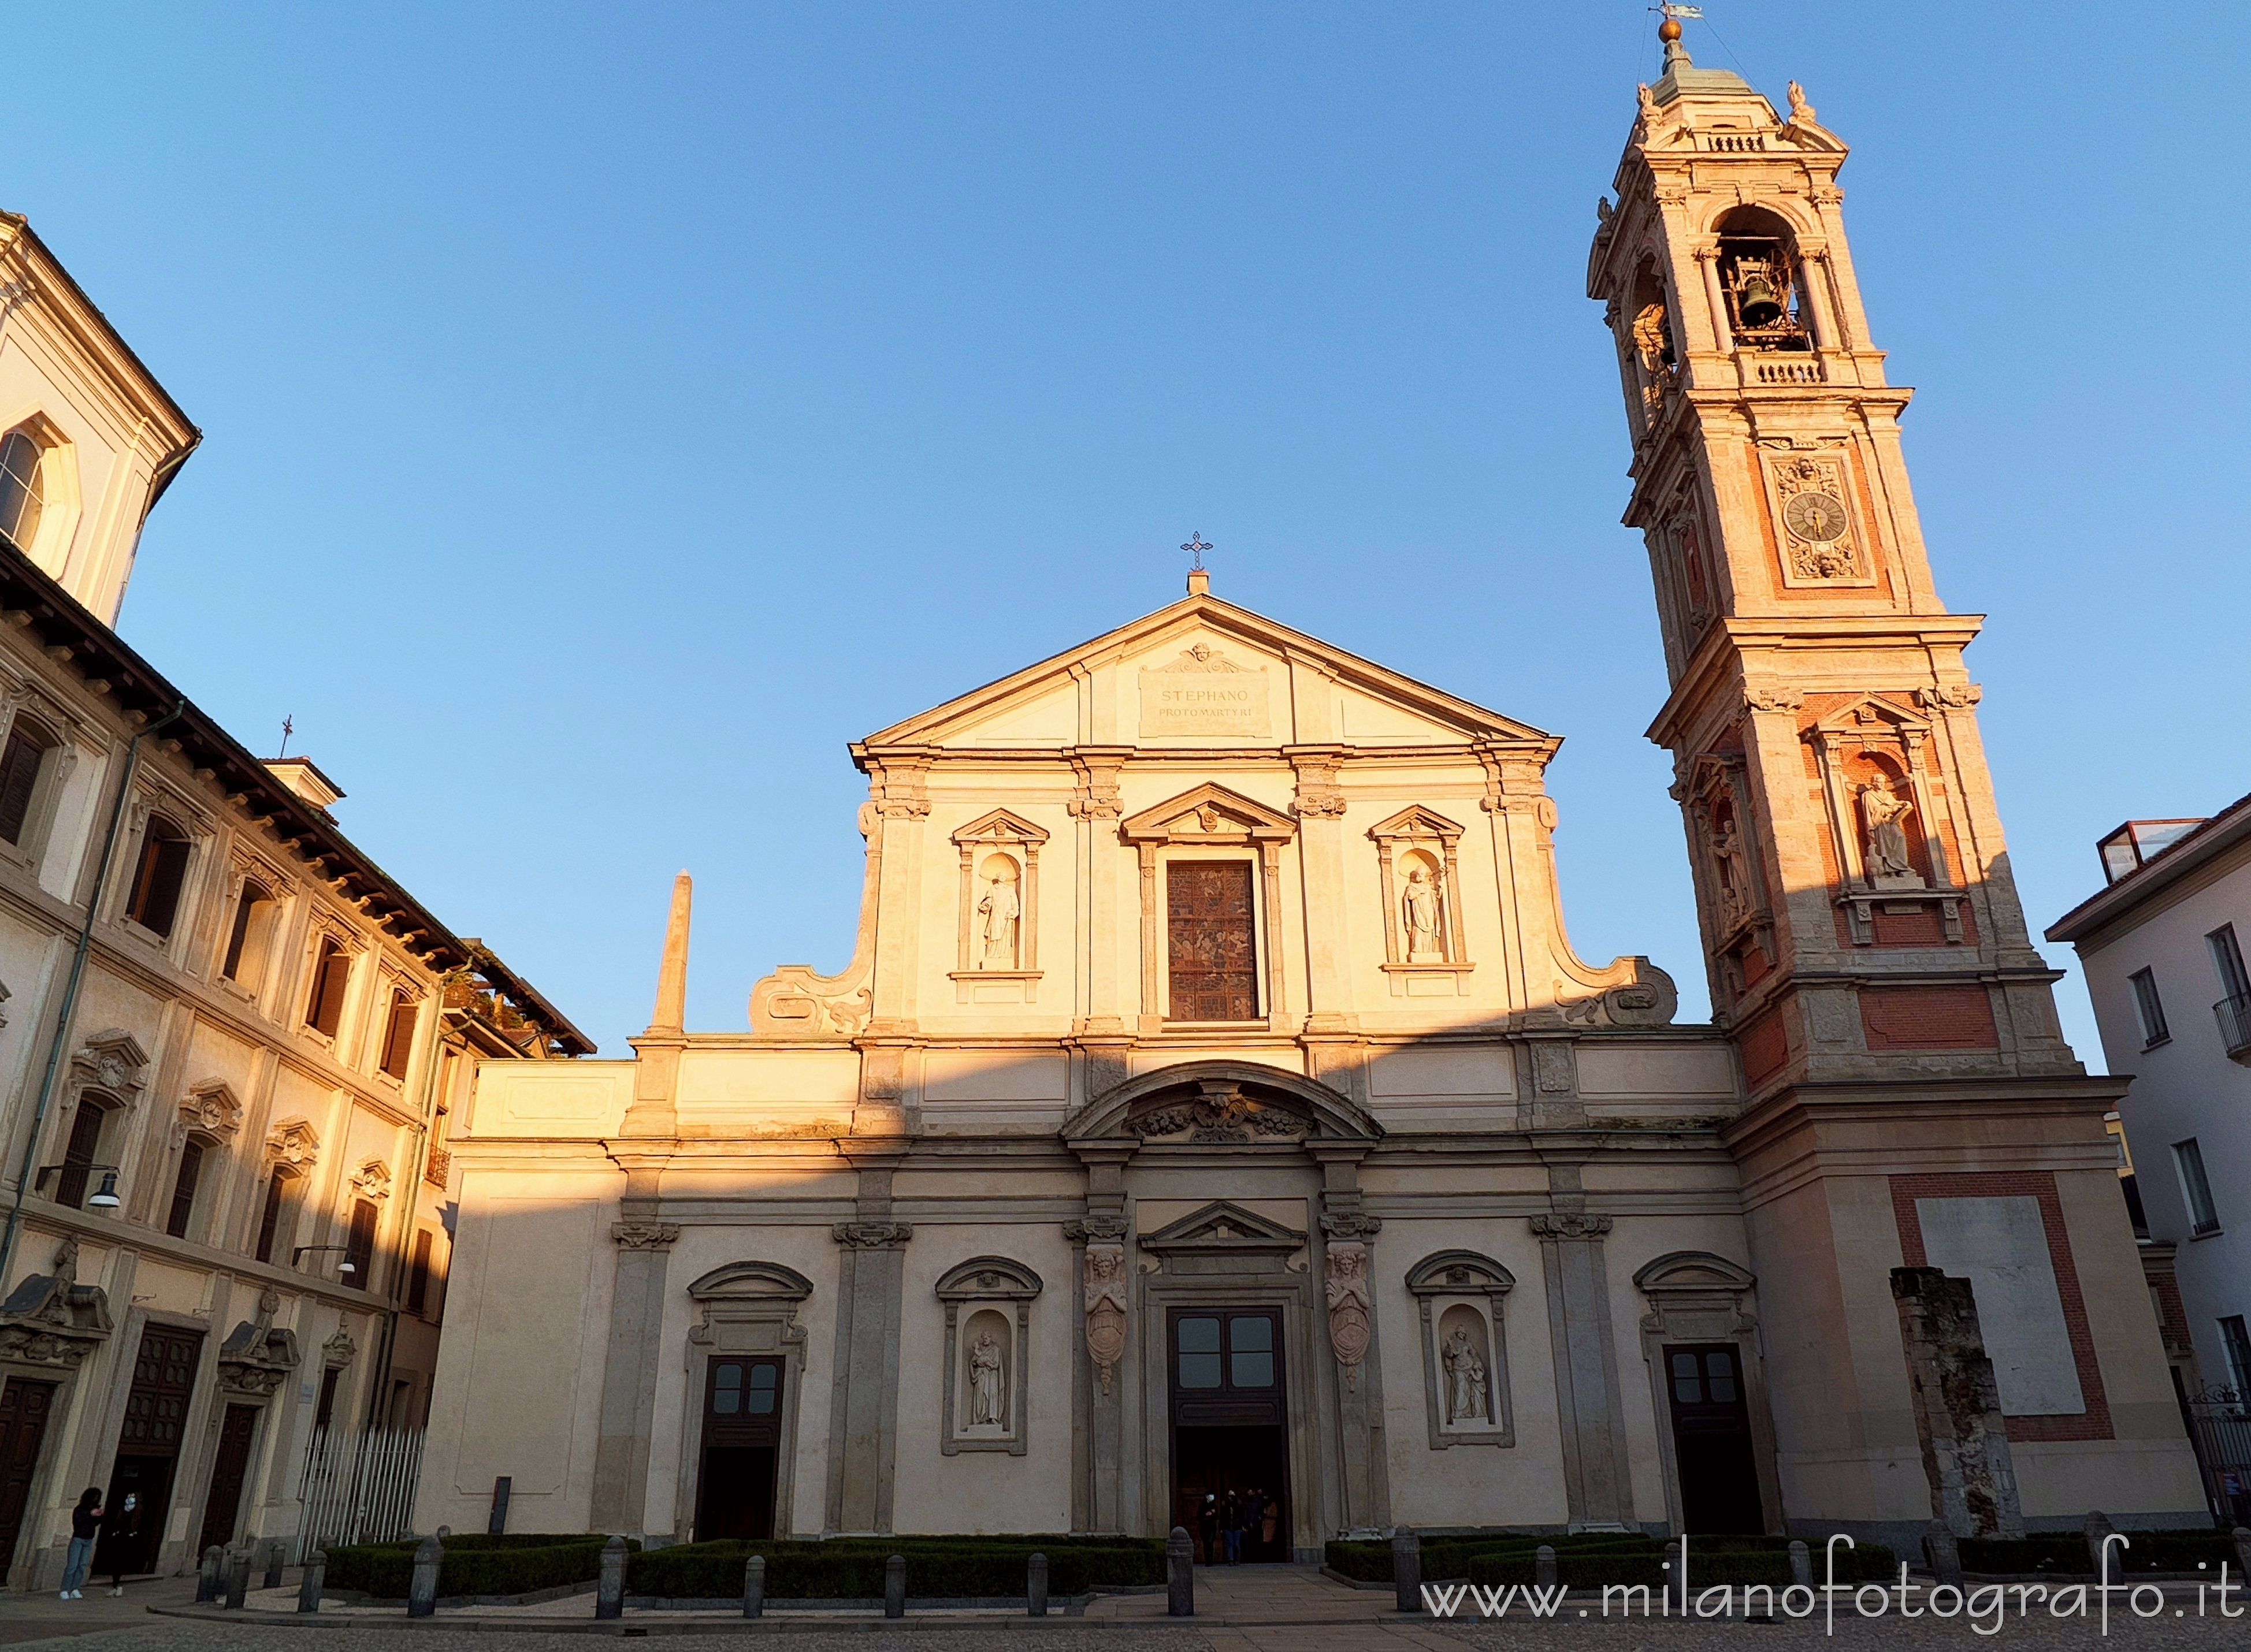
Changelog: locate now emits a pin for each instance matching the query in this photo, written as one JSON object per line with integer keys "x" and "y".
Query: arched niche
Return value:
{"x": 1459, "y": 1297}
{"x": 987, "y": 1297}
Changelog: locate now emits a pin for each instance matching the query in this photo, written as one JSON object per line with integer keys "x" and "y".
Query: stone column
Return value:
{"x": 863, "y": 1423}
{"x": 1347, "y": 1265}
{"x": 1958, "y": 1406}
{"x": 630, "y": 1370}
{"x": 1598, "y": 1483}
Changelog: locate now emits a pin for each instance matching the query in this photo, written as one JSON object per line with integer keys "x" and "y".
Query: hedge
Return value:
{"x": 1594, "y": 1559}
{"x": 517, "y": 1563}
{"x": 2066, "y": 1553}
{"x": 938, "y": 1567}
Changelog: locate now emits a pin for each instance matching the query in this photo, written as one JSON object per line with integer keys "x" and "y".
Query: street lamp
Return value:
{"x": 104, "y": 1196}
{"x": 303, "y": 1251}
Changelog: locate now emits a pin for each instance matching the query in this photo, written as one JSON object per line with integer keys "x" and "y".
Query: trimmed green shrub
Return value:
{"x": 516, "y": 1563}
{"x": 2066, "y": 1553}
{"x": 1594, "y": 1559}
{"x": 938, "y": 1567}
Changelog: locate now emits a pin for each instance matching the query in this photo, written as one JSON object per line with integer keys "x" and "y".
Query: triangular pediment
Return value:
{"x": 1871, "y": 715}
{"x": 1224, "y": 1225}
{"x": 1000, "y": 826}
{"x": 1232, "y": 675}
{"x": 1207, "y": 813}
{"x": 1416, "y": 822}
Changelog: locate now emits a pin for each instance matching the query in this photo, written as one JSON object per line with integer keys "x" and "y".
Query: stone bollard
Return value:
{"x": 610, "y": 1593}
{"x": 237, "y": 1577}
{"x": 317, "y": 1574}
{"x": 895, "y": 1587}
{"x": 1407, "y": 1572}
{"x": 1543, "y": 1567}
{"x": 2243, "y": 1550}
{"x": 2097, "y": 1526}
{"x": 1938, "y": 1543}
{"x": 276, "y": 1557}
{"x": 1801, "y": 1564}
{"x": 1180, "y": 1574}
{"x": 422, "y": 1592}
{"x": 1035, "y": 1587}
{"x": 211, "y": 1580}
{"x": 754, "y": 1586}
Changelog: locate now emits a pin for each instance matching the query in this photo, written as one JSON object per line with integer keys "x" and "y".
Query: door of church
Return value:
{"x": 24, "y": 1409}
{"x": 742, "y": 1446}
{"x": 148, "y": 1450}
{"x": 1230, "y": 1432}
{"x": 1211, "y": 950}
{"x": 222, "y": 1506}
{"x": 1711, "y": 1440}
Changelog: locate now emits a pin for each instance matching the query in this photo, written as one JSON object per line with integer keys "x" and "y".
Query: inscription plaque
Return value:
{"x": 1203, "y": 695}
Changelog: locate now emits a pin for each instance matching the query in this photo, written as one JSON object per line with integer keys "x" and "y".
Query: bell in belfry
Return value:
{"x": 1759, "y": 304}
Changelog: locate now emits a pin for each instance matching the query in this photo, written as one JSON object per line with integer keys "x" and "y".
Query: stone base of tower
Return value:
{"x": 2011, "y": 1184}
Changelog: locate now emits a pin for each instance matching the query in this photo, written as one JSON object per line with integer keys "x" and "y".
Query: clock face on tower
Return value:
{"x": 1815, "y": 516}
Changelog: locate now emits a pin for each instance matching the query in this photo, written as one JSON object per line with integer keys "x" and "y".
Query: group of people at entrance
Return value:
{"x": 92, "y": 1523}
{"x": 1228, "y": 1523}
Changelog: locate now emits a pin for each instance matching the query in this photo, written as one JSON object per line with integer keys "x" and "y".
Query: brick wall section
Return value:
{"x": 2094, "y": 1423}
{"x": 1928, "y": 1018}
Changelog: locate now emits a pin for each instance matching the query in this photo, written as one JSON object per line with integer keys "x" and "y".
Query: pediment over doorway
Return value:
{"x": 1223, "y": 1228}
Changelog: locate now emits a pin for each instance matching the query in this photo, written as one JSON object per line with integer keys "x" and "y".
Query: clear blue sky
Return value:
{"x": 614, "y": 411}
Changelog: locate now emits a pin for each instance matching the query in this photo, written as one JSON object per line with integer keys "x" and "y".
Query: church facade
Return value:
{"x": 1214, "y": 1100}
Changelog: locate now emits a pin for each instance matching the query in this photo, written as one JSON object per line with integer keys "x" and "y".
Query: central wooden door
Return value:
{"x": 742, "y": 1447}
{"x": 1230, "y": 1407}
{"x": 24, "y": 1409}
{"x": 1211, "y": 926}
{"x": 148, "y": 1450}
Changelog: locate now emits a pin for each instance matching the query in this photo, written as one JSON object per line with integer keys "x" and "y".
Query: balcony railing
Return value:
{"x": 2235, "y": 1015}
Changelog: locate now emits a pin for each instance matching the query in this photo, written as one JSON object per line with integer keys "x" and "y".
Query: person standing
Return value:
{"x": 1208, "y": 1528}
{"x": 120, "y": 1541}
{"x": 85, "y": 1524}
{"x": 1230, "y": 1525}
{"x": 1254, "y": 1510}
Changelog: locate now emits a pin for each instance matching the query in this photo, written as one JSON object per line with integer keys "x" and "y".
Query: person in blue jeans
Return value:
{"x": 86, "y": 1522}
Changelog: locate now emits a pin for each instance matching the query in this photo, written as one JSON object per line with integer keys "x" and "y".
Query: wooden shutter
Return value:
{"x": 19, "y": 778}
{"x": 1213, "y": 952}
{"x": 156, "y": 884}
{"x": 359, "y": 1245}
{"x": 330, "y": 975}
{"x": 418, "y": 1276}
{"x": 253, "y": 896}
{"x": 84, "y": 1143}
{"x": 399, "y": 1035}
{"x": 183, "y": 1190}
{"x": 276, "y": 1191}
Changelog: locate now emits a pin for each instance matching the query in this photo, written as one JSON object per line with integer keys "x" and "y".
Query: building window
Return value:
{"x": 324, "y": 1011}
{"x": 183, "y": 1190}
{"x": 269, "y": 1221}
{"x": 1211, "y": 926}
{"x": 359, "y": 1244}
{"x": 326, "y": 1413}
{"x": 21, "y": 763}
{"x": 2227, "y": 959}
{"x": 253, "y": 927}
{"x": 80, "y": 1152}
{"x": 2235, "y": 1342}
{"x": 418, "y": 1275}
{"x": 2149, "y": 1007}
{"x": 154, "y": 902}
{"x": 23, "y": 489}
{"x": 398, "y": 1034}
{"x": 2195, "y": 1187}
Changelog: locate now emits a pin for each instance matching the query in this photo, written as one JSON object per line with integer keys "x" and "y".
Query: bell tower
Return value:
{"x": 1866, "y": 950}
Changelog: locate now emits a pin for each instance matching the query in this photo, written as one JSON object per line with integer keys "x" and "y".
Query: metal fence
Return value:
{"x": 2219, "y": 1426}
{"x": 358, "y": 1487}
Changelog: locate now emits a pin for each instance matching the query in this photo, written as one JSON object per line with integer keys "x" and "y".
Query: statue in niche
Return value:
{"x": 1884, "y": 809}
{"x": 1420, "y": 908}
{"x": 1465, "y": 1377}
{"x": 1727, "y": 866}
{"x": 999, "y": 912}
{"x": 986, "y": 1407}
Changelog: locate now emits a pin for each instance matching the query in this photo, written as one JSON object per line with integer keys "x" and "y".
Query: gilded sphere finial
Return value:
{"x": 1669, "y": 31}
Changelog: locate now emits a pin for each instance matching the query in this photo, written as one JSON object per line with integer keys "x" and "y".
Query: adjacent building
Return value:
{"x": 225, "y": 1032}
{"x": 1214, "y": 1100}
{"x": 2163, "y": 948}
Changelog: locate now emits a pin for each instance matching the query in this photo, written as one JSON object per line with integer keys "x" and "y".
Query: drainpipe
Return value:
{"x": 70, "y": 990}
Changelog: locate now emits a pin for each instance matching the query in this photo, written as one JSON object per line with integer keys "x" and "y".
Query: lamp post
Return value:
{"x": 303, "y": 1251}
{"x": 104, "y": 1196}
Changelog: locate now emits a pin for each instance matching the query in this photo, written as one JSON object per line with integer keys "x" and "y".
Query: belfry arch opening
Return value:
{"x": 1759, "y": 281}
